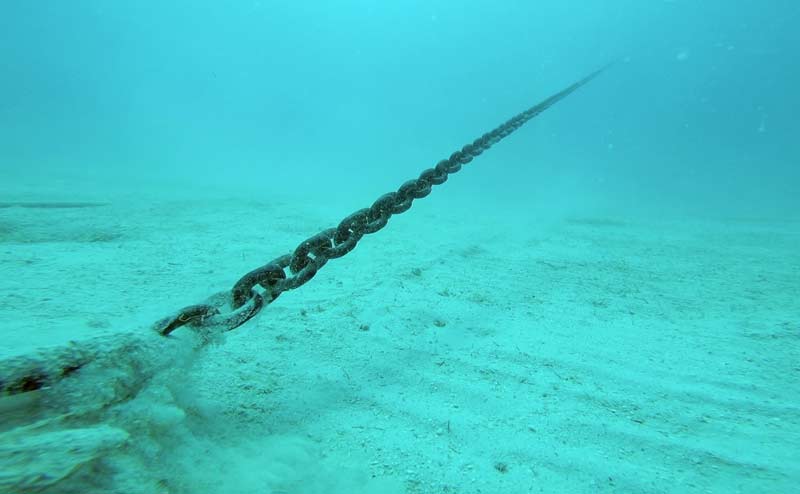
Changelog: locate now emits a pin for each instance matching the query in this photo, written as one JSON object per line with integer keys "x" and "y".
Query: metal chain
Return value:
{"x": 229, "y": 310}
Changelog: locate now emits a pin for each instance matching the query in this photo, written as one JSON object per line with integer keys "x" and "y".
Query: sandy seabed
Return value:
{"x": 452, "y": 352}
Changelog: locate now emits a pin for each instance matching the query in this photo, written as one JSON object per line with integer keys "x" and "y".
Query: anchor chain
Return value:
{"x": 230, "y": 310}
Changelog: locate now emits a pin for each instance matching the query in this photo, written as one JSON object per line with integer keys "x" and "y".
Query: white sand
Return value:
{"x": 453, "y": 352}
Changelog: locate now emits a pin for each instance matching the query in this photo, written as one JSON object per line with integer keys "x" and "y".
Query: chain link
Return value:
{"x": 228, "y": 310}
{"x": 293, "y": 270}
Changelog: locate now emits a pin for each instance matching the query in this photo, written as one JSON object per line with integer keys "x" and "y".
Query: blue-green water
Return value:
{"x": 605, "y": 301}
{"x": 702, "y": 117}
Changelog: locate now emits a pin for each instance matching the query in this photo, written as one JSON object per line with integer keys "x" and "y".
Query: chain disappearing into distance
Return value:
{"x": 231, "y": 309}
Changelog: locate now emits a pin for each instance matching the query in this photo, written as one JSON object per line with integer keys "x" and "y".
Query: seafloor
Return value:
{"x": 459, "y": 350}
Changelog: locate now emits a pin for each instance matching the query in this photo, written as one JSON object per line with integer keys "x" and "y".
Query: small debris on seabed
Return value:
{"x": 501, "y": 467}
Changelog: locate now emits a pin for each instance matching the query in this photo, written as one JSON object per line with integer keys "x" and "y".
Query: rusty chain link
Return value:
{"x": 244, "y": 301}
{"x": 228, "y": 310}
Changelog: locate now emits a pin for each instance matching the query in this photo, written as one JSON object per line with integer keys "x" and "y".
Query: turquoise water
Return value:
{"x": 702, "y": 117}
{"x": 605, "y": 301}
